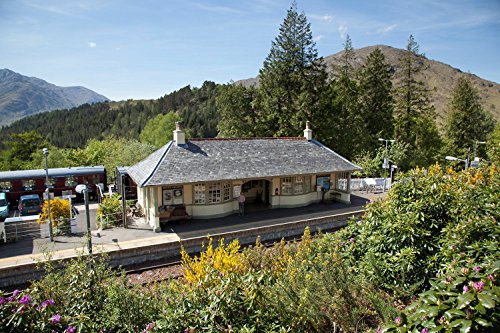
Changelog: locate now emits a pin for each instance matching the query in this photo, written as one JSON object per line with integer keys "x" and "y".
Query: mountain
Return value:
{"x": 21, "y": 96}
{"x": 440, "y": 78}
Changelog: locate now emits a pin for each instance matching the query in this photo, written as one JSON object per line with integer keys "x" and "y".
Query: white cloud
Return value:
{"x": 387, "y": 28}
{"x": 323, "y": 18}
{"x": 92, "y": 45}
{"x": 343, "y": 31}
{"x": 217, "y": 9}
{"x": 318, "y": 38}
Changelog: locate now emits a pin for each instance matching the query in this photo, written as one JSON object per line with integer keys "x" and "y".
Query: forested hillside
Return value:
{"x": 74, "y": 127}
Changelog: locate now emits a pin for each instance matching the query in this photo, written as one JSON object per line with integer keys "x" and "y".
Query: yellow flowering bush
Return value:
{"x": 221, "y": 260}
{"x": 59, "y": 209}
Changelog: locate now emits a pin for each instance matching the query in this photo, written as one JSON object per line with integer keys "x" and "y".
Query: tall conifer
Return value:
{"x": 376, "y": 102}
{"x": 346, "y": 124}
{"x": 467, "y": 121}
{"x": 414, "y": 112}
{"x": 293, "y": 78}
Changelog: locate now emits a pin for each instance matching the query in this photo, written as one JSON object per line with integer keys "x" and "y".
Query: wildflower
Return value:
{"x": 3, "y": 300}
{"x": 70, "y": 329}
{"x": 468, "y": 313}
{"x": 490, "y": 277}
{"x": 464, "y": 270}
{"x": 453, "y": 247}
{"x": 478, "y": 286}
{"x": 47, "y": 303}
{"x": 351, "y": 240}
{"x": 477, "y": 269}
{"x": 466, "y": 289}
{"x": 26, "y": 299}
{"x": 150, "y": 326}
{"x": 15, "y": 292}
{"x": 55, "y": 319}
{"x": 378, "y": 329}
{"x": 424, "y": 330}
{"x": 448, "y": 279}
{"x": 442, "y": 320}
{"x": 398, "y": 321}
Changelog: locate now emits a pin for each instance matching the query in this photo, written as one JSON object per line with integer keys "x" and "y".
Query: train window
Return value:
{"x": 28, "y": 184}
{"x": 5, "y": 186}
{"x": 70, "y": 181}
{"x": 51, "y": 183}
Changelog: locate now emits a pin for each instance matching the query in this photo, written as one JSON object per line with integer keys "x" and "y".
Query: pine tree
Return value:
{"x": 346, "y": 124}
{"x": 467, "y": 121}
{"x": 376, "y": 102}
{"x": 414, "y": 113}
{"x": 293, "y": 78}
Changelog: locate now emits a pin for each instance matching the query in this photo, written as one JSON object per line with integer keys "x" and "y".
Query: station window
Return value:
{"x": 227, "y": 191}
{"x": 295, "y": 185}
{"x": 199, "y": 194}
{"x": 28, "y": 184}
{"x": 5, "y": 186}
{"x": 214, "y": 193}
{"x": 70, "y": 181}
{"x": 341, "y": 180}
{"x": 286, "y": 186}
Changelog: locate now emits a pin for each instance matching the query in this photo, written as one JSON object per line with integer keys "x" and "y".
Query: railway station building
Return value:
{"x": 201, "y": 178}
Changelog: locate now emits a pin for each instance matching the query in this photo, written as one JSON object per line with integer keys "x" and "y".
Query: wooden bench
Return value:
{"x": 174, "y": 213}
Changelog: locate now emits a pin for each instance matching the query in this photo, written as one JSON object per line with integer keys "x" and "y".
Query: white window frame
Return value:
{"x": 227, "y": 191}
{"x": 295, "y": 185}
{"x": 212, "y": 193}
{"x": 341, "y": 181}
{"x": 199, "y": 194}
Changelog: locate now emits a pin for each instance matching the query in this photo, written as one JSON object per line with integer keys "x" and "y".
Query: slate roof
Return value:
{"x": 54, "y": 172}
{"x": 202, "y": 160}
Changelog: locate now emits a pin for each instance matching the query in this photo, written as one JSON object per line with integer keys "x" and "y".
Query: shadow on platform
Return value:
{"x": 258, "y": 217}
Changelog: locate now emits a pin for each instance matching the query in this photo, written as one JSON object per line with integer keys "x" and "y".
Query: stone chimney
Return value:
{"x": 179, "y": 135}
{"x": 308, "y": 133}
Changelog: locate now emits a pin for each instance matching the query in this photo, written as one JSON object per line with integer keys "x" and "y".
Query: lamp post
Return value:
{"x": 46, "y": 153}
{"x": 452, "y": 158}
{"x": 385, "y": 165}
{"x": 82, "y": 188}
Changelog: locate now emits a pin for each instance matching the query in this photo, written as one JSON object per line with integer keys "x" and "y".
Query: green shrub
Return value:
{"x": 403, "y": 241}
{"x": 109, "y": 212}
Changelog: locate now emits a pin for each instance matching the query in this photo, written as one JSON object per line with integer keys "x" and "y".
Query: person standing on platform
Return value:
{"x": 241, "y": 203}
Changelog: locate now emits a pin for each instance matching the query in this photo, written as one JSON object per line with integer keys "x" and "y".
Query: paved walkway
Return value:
{"x": 25, "y": 251}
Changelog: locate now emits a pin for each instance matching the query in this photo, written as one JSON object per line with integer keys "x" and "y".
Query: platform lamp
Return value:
{"x": 385, "y": 165}
{"x": 82, "y": 188}
{"x": 452, "y": 158}
{"x": 46, "y": 154}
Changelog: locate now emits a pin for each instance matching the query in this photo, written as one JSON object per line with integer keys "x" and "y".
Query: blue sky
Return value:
{"x": 147, "y": 48}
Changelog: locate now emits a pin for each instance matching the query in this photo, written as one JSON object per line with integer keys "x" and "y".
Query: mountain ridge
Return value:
{"x": 22, "y": 96}
{"x": 439, "y": 76}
